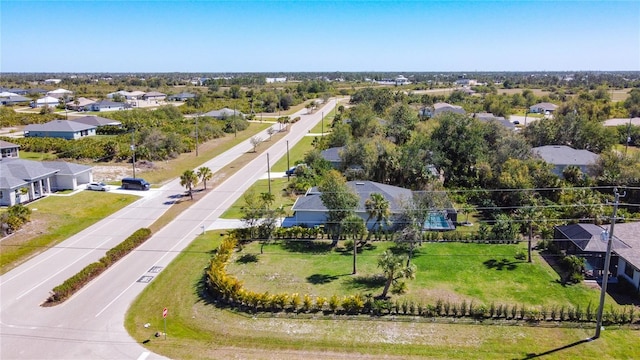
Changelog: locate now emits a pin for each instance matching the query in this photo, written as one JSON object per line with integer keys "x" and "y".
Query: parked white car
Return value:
{"x": 98, "y": 186}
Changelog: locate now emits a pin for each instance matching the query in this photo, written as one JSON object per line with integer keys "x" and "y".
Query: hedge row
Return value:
{"x": 228, "y": 290}
{"x": 62, "y": 292}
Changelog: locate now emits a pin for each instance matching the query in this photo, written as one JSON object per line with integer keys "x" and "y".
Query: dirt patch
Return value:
{"x": 114, "y": 172}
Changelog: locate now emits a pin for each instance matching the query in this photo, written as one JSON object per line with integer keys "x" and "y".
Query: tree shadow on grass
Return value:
{"x": 307, "y": 246}
{"x": 318, "y": 279}
{"x": 348, "y": 250}
{"x": 248, "y": 258}
{"x": 366, "y": 281}
{"x": 501, "y": 264}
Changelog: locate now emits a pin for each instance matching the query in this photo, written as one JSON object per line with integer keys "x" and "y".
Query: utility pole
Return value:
{"x": 607, "y": 236}
{"x": 133, "y": 151}
{"x": 288, "y": 176}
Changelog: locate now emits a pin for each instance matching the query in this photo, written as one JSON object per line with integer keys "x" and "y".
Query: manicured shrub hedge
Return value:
{"x": 62, "y": 292}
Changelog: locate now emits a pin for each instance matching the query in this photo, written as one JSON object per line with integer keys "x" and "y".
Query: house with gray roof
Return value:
{"x": 9, "y": 150}
{"x": 629, "y": 257}
{"x": 22, "y": 181}
{"x": 334, "y": 156}
{"x": 223, "y": 113}
{"x": 79, "y": 104}
{"x": 310, "y": 211}
{"x": 14, "y": 100}
{"x": 440, "y": 108}
{"x": 562, "y": 156}
{"x": 106, "y": 105}
{"x": 65, "y": 129}
{"x": 97, "y": 121}
{"x": 154, "y": 95}
{"x": 183, "y": 96}
{"x": 487, "y": 117}
{"x": 543, "y": 108}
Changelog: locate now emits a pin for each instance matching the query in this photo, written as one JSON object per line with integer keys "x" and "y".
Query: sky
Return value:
{"x": 327, "y": 36}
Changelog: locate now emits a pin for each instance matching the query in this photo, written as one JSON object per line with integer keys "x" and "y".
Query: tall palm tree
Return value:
{"x": 189, "y": 180}
{"x": 378, "y": 208}
{"x": 204, "y": 173}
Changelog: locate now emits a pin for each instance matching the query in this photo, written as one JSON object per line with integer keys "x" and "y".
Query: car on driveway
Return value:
{"x": 97, "y": 186}
{"x": 292, "y": 170}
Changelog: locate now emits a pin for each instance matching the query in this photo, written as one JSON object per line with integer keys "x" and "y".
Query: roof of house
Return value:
{"x": 395, "y": 195}
{"x": 565, "y": 155}
{"x": 82, "y": 101}
{"x": 544, "y": 105}
{"x": 442, "y": 105}
{"x": 8, "y": 145}
{"x": 332, "y": 154}
{"x": 59, "y": 126}
{"x": 224, "y": 112}
{"x": 65, "y": 168}
{"x": 47, "y": 100}
{"x": 154, "y": 93}
{"x": 97, "y": 121}
{"x": 59, "y": 92}
{"x": 490, "y": 117}
{"x": 15, "y": 99}
{"x": 7, "y": 94}
{"x": 183, "y": 95}
{"x": 105, "y": 103}
{"x": 18, "y": 172}
{"x": 588, "y": 237}
{"x": 628, "y": 233}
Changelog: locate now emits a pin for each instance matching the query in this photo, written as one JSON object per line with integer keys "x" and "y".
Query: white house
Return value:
{"x": 46, "y": 101}
{"x": 106, "y": 105}
{"x": 543, "y": 108}
{"x": 60, "y": 93}
{"x": 629, "y": 258}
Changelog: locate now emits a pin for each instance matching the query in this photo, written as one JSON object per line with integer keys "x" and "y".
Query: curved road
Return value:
{"x": 90, "y": 325}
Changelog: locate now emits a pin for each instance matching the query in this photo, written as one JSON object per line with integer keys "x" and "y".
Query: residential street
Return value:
{"x": 90, "y": 324}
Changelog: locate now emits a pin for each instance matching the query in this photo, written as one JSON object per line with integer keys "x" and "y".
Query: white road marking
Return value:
{"x": 144, "y": 355}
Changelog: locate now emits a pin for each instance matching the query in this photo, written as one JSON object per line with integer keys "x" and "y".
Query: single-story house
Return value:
{"x": 52, "y": 81}
{"x": 629, "y": 257}
{"x": 223, "y": 113}
{"x": 65, "y": 129}
{"x": 97, "y": 121}
{"x": 154, "y": 95}
{"x": 310, "y": 211}
{"x": 39, "y": 91}
{"x": 49, "y": 101}
{"x": 486, "y": 117}
{"x": 440, "y": 108}
{"x": 106, "y": 105}
{"x": 543, "y": 108}
{"x": 79, "y": 104}
{"x": 60, "y": 93}
{"x": 22, "y": 181}
{"x": 9, "y": 150}
{"x": 129, "y": 95}
{"x": 334, "y": 156}
{"x": 14, "y": 91}
{"x": 183, "y": 96}
{"x": 562, "y": 156}
{"x": 14, "y": 99}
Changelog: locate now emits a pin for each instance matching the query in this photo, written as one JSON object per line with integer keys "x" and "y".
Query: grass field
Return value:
{"x": 296, "y": 154}
{"x": 199, "y": 330}
{"x": 36, "y": 156}
{"x": 262, "y": 186}
{"x": 54, "y": 219}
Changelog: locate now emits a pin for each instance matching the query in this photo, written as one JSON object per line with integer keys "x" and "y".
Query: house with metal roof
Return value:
{"x": 106, "y": 105}
{"x": 22, "y": 181}
{"x": 65, "y": 129}
{"x": 60, "y": 93}
{"x": 97, "y": 121}
{"x": 562, "y": 156}
{"x": 310, "y": 211}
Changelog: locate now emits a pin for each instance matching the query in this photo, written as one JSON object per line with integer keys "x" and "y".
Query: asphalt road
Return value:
{"x": 89, "y": 325}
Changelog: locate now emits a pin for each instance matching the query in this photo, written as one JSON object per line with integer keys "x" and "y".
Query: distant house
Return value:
{"x": 184, "y": 96}
{"x": 543, "y": 108}
{"x": 80, "y": 104}
{"x": 334, "y": 156}
{"x": 106, "y": 105}
{"x": 487, "y": 117}
{"x": 441, "y": 108}
{"x": 49, "y": 101}
{"x": 154, "y": 95}
{"x": 52, "y": 81}
{"x": 562, "y": 156}
{"x": 270, "y": 80}
{"x": 223, "y": 113}
{"x": 629, "y": 257}
{"x": 22, "y": 181}
{"x": 60, "y": 93}
{"x": 19, "y": 91}
{"x": 97, "y": 121}
{"x": 9, "y": 150}
{"x": 64, "y": 129}
{"x": 310, "y": 211}
{"x": 401, "y": 80}
{"x": 14, "y": 99}
{"x": 586, "y": 240}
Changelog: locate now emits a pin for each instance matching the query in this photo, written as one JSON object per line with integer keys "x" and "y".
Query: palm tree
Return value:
{"x": 378, "y": 208}
{"x": 267, "y": 199}
{"x": 204, "y": 173}
{"x": 393, "y": 268}
{"x": 354, "y": 225}
{"x": 189, "y": 180}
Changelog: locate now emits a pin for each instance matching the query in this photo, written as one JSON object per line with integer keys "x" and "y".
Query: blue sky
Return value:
{"x": 290, "y": 36}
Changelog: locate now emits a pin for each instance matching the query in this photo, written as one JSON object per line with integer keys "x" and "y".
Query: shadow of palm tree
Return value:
{"x": 318, "y": 279}
{"x": 501, "y": 264}
{"x": 247, "y": 258}
{"x": 307, "y": 246}
{"x": 366, "y": 281}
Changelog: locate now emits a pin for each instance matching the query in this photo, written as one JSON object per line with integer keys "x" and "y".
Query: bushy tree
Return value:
{"x": 339, "y": 200}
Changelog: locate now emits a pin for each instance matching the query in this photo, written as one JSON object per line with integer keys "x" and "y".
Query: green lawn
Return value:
{"x": 197, "y": 329}
{"x": 79, "y": 212}
{"x": 483, "y": 273}
{"x": 296, "y": 154}
{"x": 36, "y": 156}
{"x": 325, "y": 124}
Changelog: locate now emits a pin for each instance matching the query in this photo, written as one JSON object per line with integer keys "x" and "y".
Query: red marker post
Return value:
{"x": 165, "y": 312}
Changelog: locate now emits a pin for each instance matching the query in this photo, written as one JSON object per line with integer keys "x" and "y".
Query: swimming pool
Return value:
{"x": 438, "y": 221}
